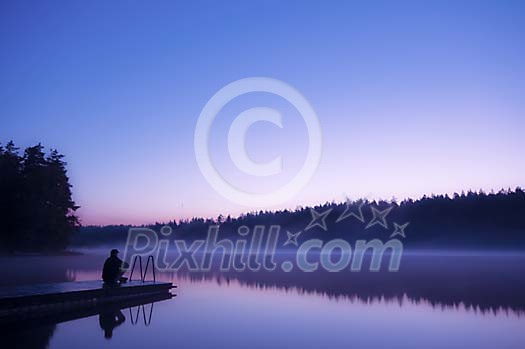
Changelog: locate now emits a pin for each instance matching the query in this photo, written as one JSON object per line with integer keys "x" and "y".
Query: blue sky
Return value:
{"x": 413, "y": 97}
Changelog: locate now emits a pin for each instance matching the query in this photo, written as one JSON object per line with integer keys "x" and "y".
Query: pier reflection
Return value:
{"x": 35, "y": 330}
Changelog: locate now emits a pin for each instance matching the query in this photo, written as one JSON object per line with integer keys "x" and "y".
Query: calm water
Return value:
{"x": 433, "y": 301}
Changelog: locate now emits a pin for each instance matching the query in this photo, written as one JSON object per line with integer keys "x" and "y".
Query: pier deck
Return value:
{"x": 68, "y": 295}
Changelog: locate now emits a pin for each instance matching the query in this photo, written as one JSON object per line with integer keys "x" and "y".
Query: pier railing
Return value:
{"x": 143, "y": 274}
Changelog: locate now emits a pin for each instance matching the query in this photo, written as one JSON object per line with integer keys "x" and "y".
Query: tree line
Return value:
{"x": 464, "y": 220}
{"x": 37, "y": 212}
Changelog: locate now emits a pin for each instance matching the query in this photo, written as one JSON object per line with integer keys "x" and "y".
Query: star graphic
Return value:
{"x": 292, "y": 238}
{"x": 347, "y": 213}
{"x": 399, "y": 229}
{"x": 318, "y": 219}
{"x": 379, "y": 217}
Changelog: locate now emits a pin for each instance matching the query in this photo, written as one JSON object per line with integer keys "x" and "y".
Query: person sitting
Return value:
{"x": 112, "y": 272}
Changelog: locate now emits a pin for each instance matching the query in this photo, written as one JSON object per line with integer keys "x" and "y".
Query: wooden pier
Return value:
{"x": 40, "y": 300}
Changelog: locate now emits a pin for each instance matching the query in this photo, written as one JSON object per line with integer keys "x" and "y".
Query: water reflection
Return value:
{"x": 479, "y": 283}
{"x": 35, "y": 330}
{"x": 457, "y": 301}
{"x": 109, "y": 319}
{"x": 112, "y": 317}
{"x": 142, "y": 307}
{"x": 484, "y": 284}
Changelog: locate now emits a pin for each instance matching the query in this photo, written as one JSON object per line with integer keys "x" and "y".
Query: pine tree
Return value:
{"x": 61, "y": 207}
{"x": 10, "y": 195}
{"x": 37, "y": 211}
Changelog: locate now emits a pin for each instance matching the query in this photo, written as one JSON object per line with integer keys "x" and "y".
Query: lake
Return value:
{"x": 436, "y": 300}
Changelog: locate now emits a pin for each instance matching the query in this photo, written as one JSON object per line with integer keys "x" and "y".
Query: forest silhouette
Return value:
{"x": 38, "y": 213}
{"x": 466, "y": 220}
{"x": 36, "y": 205}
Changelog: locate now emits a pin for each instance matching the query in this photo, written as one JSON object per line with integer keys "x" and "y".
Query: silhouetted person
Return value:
{"x": 109, "y": 319}
{"x": 112, "y": 272}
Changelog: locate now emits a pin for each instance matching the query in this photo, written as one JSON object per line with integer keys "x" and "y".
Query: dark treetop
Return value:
{"x": 36, "y": 207}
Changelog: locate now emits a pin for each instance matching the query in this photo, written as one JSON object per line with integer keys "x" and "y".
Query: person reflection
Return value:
{"x": 109, "y": 319}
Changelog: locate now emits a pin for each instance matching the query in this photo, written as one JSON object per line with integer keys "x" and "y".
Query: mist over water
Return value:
{"x": 419, "y": 306}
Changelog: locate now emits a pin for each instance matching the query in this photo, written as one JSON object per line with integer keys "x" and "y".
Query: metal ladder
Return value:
{"x": 143, "y": 275}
